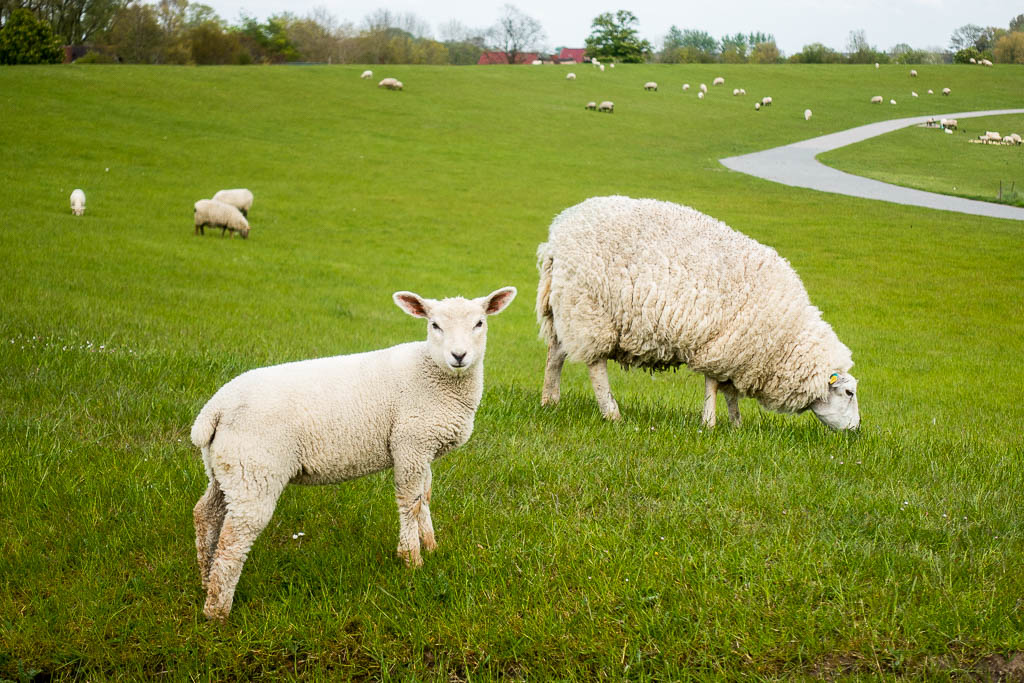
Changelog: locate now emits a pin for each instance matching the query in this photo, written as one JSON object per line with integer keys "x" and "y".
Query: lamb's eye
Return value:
{"x": 849, "y": 392}
{"x": 435, "y": 326}
{"x": 479, "y": 324}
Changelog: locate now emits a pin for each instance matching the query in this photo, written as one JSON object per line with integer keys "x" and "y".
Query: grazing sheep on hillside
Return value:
{"x": 656, "y": 285}
{"x": 686, "y": 86}
{"x": 877, "y": 99}
{"x": 700, "y": 96}
{"x": 946, "y": 91}
{"x": 703, "y": 88}
{"x": 930, "y": 91}
{"x": 913, "y": 94}
{"x": 948, "y": 123}
{"x": 766, "y": 101}
{"x": 892, "y": 101}
{"x": 876, "y": 65}
{"x": 606, "y": 106}
{"x": 239, "y": 198}
{"x": 209, "y": 212}
{"x": 390, "y": 84}
{"x": 913, "y": 73}
{"x": 77, "y": 202}
{"x": 590, "y": 105}
{"x": 718, "y": 81}
{"x": 735, "y": 91}
{"x": 331, "y": 419}
{"x": 366, "y": 74}
{"x": 570, "y": 76}
{"x": 757, "y": 106}
{"x": 650, "y": 85}
{"x": 807, "y": 114}
{"x": 986, "y": 62}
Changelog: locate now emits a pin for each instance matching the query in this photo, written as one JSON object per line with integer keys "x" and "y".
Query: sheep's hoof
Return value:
{"x": 613, "y": 415}
{"x": 429, "y": 544}
{"x": 412, "y": 558}
{"x": 549, "y": 400}
{"x": 214, "y": 613}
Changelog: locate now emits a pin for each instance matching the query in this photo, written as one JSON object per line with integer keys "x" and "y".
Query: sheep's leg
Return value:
{"x": 208, "y": 516}
{"x": 553, "y": 374}
{"x": 411, "y": 484}
{"x": 244, "y": 521}
{"x": 732, "y": 399}
{"x": 710, "y": 399}
{"x": 426, "y": 525}
{"x": 603, "y": 390}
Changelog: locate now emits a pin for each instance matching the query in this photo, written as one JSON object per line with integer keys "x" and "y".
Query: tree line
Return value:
{"x": 184, "y": 32}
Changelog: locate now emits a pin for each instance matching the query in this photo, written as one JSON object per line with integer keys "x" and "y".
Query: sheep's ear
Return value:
{"x": 411, "y": 303}
{"x": 496, "y": 301}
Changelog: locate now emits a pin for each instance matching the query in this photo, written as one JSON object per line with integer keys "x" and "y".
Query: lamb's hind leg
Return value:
{"x": 603, "y": 390}
{"x": 710, "y": 399}
{"x": 732, "y": 399}
{"x": 208, "y": 516}
{"x": 553, "y": 374}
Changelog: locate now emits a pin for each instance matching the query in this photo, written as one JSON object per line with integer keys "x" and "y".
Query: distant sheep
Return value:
{"x": 913, "y": 73}
{"x": 77, "y": 202}
{"x": 239, "y": 198}
{"x": 650, "y": 85}
{"x": 718, "y": 81}
{"x": 590, "y": 105}
{"x": 985, "y": 62}
{"x": 700, "y": 96}
{"x": 686, "y": 86}
{"x": 757, "y": 106}
{"x": 703, "y": 87}
{"x": 735, "y": 91}
{"x": 807, "y": 114}
{"x": 606, "y": 106}
{"x": 876, "y": 65}
{"x": 946, "y": 91}
{"x": 209, "y": 212}
{"x": 656, "y": 285}
{"x": 948, "y": 123}
{"x": 913, "y": 94}
{"x": 930, "y": 91}
{"x": 366, "y": 74}
{"x": 766, "y": 101}
{"x": 390, "y": 84}
{"x": 601, "y": 67}
{"x": 877, "y": 99}
{"x": 892, "y": 101}
{"x": 570, "y": 76}
{"x": 328, "y": 420}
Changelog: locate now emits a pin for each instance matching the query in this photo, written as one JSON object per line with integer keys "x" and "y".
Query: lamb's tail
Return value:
{"x": 545, "y": 316}
{"x": 205, "y": 425}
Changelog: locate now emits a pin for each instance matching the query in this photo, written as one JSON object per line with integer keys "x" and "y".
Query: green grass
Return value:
{"x": 927, "y": 159}
{"x": 570, "y": 549}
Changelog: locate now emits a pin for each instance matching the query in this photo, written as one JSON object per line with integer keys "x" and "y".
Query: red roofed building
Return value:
{"x": 496, "y": 57}
{"x": 571, "y": 54}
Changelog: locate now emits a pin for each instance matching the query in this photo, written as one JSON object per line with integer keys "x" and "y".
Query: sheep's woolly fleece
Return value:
{"x": 656, "y": 285}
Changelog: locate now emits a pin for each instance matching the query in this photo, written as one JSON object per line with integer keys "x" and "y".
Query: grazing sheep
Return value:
{"x": 601, "y": 67}
{"x": 366, "y": 74}
{"x": 703, "y": 88}
{"x": 650, "y": 85}
{"x": 686, "y": 86}
{"x": 876, "y": 65}
{"x": 807, "y": 114}
{"x": 892, "y": 101}
{"x": 946, "y": 91}
{"x": 743, "y": 91}
{"x": 656, "y": 285}
{"x": 77, "y": 202}
{"x": 877, "y": 99}
{"x": 570, "y": 76}
{"x": 973, "y": 60}
{"x": 735, "y": 91}
{"x": 209, "y": 212}
{"x": 718, "y": 81}
{"x": 332, "y": 419}
{"x": 700, "y": 96}
{"x": 607, "y": 106}
{"x": 913, "y": 73}
{"x": 930, "y": 91}
{"x": 948, "y": 123}
{"x": 590, "y": 105}
{"x": 757, "y": 106}
{"x": 986, "y": 62}
{"x": 390, "y": 84}
{"x": 239, "y": 198}
{"x": 913, "y": 94}
{"x": 766, "y": 101}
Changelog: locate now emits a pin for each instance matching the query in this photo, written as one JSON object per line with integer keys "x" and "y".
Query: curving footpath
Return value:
{"x": 796, "y": 165}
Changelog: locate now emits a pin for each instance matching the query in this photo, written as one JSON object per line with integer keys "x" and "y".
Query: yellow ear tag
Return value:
{"x": 833, "y": 378}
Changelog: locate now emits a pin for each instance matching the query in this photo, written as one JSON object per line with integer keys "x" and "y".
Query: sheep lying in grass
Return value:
{"x": 239, "y": 198}
{"x": 607, "y": 106}
{"x": 77, "y": 202}
{"x": 331, "y": 419}
{"x": 656, "y": 285}
{"x": 209, "y": 212}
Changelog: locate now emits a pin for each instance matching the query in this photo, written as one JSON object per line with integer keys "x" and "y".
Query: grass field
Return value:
{"x": 570, "y": 549}
{"x": 927, "y": 159}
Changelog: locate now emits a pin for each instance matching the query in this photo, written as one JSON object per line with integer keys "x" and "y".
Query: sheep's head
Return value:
{"x": 456, "y": 327}
{"x": 839, "y": 408}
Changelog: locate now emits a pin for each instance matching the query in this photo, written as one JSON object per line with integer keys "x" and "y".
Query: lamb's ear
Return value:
{"x": 413, "y": 304}
{"x": 496, "y": 301}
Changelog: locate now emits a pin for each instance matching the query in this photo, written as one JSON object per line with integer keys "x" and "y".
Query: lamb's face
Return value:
{"x": 456, "y": 327}
{"x": 839, "y": 409}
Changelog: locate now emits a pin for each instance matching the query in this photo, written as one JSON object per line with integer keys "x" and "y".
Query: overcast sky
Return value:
{"x": 794, "y": 23}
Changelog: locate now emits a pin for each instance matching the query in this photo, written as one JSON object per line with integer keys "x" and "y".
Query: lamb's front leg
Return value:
{"x": 426, "y": 525}
{"x": 603, "y": 389}
{"x": 710, "y": 399}
{"x": 412, "y": 481}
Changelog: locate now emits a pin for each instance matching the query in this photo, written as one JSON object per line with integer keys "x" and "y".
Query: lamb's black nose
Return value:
{"x": 458, "y": 357}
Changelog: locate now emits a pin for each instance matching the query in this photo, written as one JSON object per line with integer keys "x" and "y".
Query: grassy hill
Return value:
{"x": 569, "y": 548}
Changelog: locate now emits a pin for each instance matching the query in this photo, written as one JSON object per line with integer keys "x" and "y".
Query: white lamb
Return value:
{"x": 930, "y": 91}
{"x": 946, "y": 91}
{"x": 700, "y": 96}
{"x": 735, "y": 91}
{"x": 913, "y": 94}
{"x": 570, "y": 76}
{"x": 703, "y": 88}
{"x": 686, "y": 86}
{"x": 650, "y": 85}
{"x": 390, "y": 84}
{"x": 877, "y": 99}
{"x": 590, "y": 105}
{"x": 366, "y": 74}
{"x": 757, "y": 106}
{"x": 807, "y": 114}
{"x": 656, "y": 285}
{"x": 718, "y": 81}
{"x": 913, "y": 73}
{"x": 766, "y": 101}
{"x": 239, "y": 198}
{"x": 331, "y": 419}
{"x": 607, "y": 106}
{"x": 210, "y": 212}
{"x": 77, "y": 202}
{"x": 892, "y": 101}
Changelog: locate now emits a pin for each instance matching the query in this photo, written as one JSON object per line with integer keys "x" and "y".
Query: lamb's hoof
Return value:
{"x": 550, "y": 400}
{"x": 216, "y": 612}
{"x": 612, "y": 415}
{"x": 429, "y": 544}
{"x": 412, "y": 558}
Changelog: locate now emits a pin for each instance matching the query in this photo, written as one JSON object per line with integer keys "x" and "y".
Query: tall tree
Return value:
{"x": 1009, "y": 49}
{"x": 615, "y": 37}
{"x": 515, "y": 33}
{"x": 965, "y": 37}
{"x": 734, "y": 48}
{"x": 1017, "y": 23}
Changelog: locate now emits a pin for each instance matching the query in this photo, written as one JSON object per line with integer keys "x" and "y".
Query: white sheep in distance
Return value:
{"x": 590, "y": 105}
{"x": 686, "y": 86}
{"x": 930, "y": 91}
{"x": 390, "y": 84}
{"x": 240, "y": 198}
{"x": 877, "y": 99}
{"x": 757, "y": 106}
{"x": 570, "y": 76}
{"x": 655, "y": 285}
{"x": 766, "y": 101}
{"x": 607, "y": 106}
{"x": 209, "y": 212}
{"x": 735, "y": 91}
{"x": 807, "y": 114}
{"x": 913, "y": 73}
{"x": 876, "y": 65}
{"x": 650, "y": 85}
{"x": 703, "y": 88}
{"x": 366, "y": 74}
{"x": 700, "y": 96}
{"x": 913, "y": 94}
{"x": 332, "y": 419}
{"x": 892, "y": 101}
{"x": 946, "y": 91}
{"x": 77, "y": 200}
{"x": 718, "y": 81}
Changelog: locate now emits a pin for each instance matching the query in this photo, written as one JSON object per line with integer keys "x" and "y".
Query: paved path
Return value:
{"x": 796, "y": 165}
